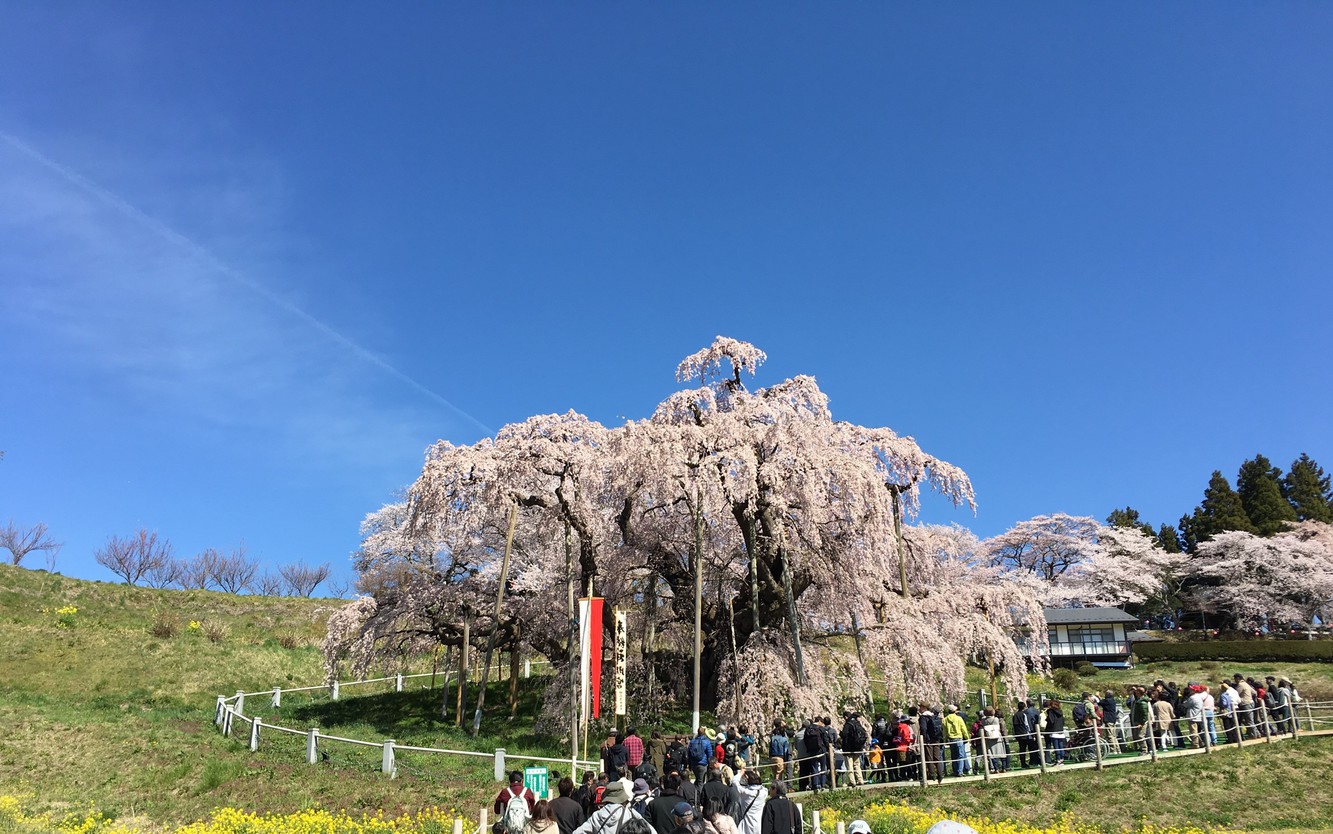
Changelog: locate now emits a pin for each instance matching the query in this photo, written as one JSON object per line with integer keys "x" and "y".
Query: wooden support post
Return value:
{"x": 240, "y": 702}
{"x": 398, "y": 683}
{"x": 312, "y": 746}
{"x": 985, "y": 760}
{"x": 334, "y": 692}
{"x": 254, "y": 734}
{"x": 921, "y": 747}
{"x": 1041, "y": 751}
{"x": 1263, "y": 716}
{"x": 220, "y": 713}
{"x": 276, "y": 702}
{"x": 1309, "y": 715}
{"x": 832, "y": 769}
{"x": 1237, "y": 728}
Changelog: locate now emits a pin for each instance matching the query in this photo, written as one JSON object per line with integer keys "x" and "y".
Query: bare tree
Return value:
{"x": 197, "y": 572}
{"x": 338, "y": 588}
{"x": 20, "y": 541}
{"x": 268, "y": 585}
{"x": 164, "y": 574}
{"x": 234, "y": 572}
{"x": 133, "y": 557}
{"x": 302, "y": 579}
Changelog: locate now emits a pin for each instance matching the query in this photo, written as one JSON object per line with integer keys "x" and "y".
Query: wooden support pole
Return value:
{"x": 499, "y": 611}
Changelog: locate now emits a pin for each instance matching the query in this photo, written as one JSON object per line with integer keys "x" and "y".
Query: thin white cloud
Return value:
{"x": 210, "y": 261}
{"x": 95, "y": 283}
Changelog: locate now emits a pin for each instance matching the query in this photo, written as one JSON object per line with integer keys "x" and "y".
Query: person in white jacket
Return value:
{"x": 613, "y": 814}
{"x": 748, "y": 809}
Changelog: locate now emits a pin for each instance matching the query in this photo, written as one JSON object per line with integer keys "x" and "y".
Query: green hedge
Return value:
{"x": 1239, "y": 650}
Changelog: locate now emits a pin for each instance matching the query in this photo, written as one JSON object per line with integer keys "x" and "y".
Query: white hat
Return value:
{"x": 950, "y": 827}
{"x": 858, "y": 827}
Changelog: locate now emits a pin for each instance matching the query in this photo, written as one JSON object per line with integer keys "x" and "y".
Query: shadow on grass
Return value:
{"x": 414, "y": 717}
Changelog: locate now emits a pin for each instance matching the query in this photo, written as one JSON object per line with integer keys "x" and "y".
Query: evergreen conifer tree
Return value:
{"x": 1220, "y": 511}
{"x": 1260, "y": 489}
{"x": 1129, "y": 517}
{"x": 1307, "y": 489}
{"x": 1168, "y": 539}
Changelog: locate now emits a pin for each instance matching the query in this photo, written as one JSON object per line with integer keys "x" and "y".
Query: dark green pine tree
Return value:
{"x": 1167, "y": 538}
{"x": 1129, "y": 517}
{"x": 1307, "y": 490}
{"x": 1259, "y": 485}
{"x": 1220, "y": 511}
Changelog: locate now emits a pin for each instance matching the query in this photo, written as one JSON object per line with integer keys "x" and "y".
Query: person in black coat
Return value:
{"x": 780, "y": 815}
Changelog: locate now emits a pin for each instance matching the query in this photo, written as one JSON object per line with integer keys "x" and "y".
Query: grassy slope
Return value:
{"x": 102, "y": 713}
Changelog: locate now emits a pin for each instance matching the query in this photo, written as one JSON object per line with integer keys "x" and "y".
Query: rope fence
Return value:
{"x": 232, "y": 720}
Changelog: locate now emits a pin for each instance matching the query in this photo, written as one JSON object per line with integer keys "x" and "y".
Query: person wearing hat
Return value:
{"x": 955, "y": 737}
{"x": 682, "y": 815}
{"x": 641, "y": 796}
{"x": 858, "y": 827}
{"x": 613, "y": 814}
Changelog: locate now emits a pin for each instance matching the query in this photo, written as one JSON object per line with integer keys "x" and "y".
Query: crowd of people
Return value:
{"x": 733, "y": 781}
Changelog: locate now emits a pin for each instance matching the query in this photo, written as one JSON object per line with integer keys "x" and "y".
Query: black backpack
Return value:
{"x": 932, "y": 729}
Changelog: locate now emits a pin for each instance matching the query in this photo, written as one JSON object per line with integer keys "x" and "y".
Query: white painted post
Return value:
{"x": 240, "y": 702}
{"x": 398, "y": 683}
{"x": 386, "y": 763}
{"x": 254, "y": 734}
{"x": 840, "y": 827}
{"x": 800, "y": 813}
{"x": 1097, "y": 739}
{"x": 277, "y": 697}
{"x": 527, "y": 668}
{"x": 221, "y": 711}
{"x": 485, "y": 814}
{"x": 458, "y": 826}
{"x": 1151, "y": 728}
{"x": 312, "y": 746}
{"x": 333, "y": 693}
{"x": 500, "y": 775}
{"x": 226, "y": 722}
{"x": 814, "y": 826}
{"x": 1309, "y": 715}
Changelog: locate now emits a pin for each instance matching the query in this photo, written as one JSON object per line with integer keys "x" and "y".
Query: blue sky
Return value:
{"x": 254, "y": 258}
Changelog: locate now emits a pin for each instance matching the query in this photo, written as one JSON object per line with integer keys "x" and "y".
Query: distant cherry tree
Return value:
{"x": 1283, "y": 579}
{"x": 134, "y": 557}
{"x": 20, "y": 541}
{"x": 302, "y": 579}
{"x": 796, "y": 522}
{"x": 1081, "y": 562}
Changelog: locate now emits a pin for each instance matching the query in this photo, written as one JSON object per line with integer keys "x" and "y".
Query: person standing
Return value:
{"x": 568, "y": 812}
{"x": 853, "y": 746}
{"x": 613, "y": 814}
{"x": 780, "y": 815}
{"x": 1111, "y": 721}
{"x": 955, "y": 736}
{"x": 700, "y": 753}
{"x": 1054, "y": 732}
{"x": 779, "y": 749}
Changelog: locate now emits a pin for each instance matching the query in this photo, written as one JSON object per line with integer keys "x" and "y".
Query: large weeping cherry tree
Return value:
{"x": 793, "y": 521}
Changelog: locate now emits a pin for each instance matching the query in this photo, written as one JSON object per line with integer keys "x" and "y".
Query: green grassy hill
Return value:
{"x": 106, "y": 706}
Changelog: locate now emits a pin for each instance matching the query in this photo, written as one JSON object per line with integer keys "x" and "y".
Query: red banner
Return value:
{"x": 590, "y": 653}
